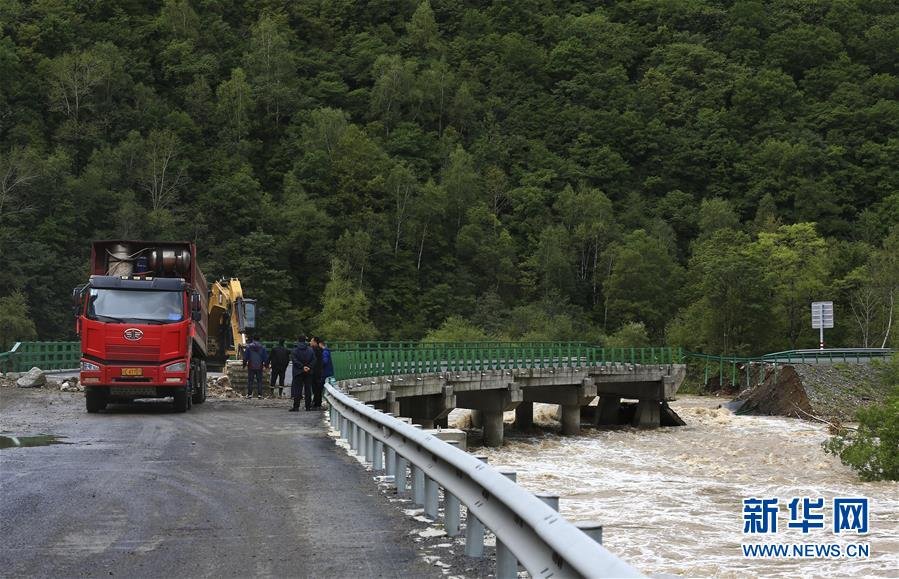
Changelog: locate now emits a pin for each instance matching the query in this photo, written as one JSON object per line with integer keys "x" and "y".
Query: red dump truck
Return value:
{"x": 142, "y": 319}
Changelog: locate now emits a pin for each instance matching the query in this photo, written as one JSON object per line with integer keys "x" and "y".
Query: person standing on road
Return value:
{"x": 278, "y": 360}
{"x": 327, "y": 367}
{"x": 255, "y": 357}
{"x": 303, "y": 358}
{"x": 317, "y": 377}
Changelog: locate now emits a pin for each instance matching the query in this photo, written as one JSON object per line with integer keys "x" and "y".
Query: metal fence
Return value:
{"x": 740, "y": 371}
{"x": 45, "y": 355}
{"x": 528, "y": 530}
{"x": 426, "y": 358}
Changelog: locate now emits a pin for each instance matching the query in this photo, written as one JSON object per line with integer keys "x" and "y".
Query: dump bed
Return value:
{"x": 175, "y": 259}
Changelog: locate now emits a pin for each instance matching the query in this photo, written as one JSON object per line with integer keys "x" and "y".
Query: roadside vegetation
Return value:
{"x": 872, "y": 449}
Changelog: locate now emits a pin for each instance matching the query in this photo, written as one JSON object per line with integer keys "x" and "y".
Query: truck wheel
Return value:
{"x": 95, "y": 402}
{"x": 199, "y": 384}
{"x": 180, "y": 400}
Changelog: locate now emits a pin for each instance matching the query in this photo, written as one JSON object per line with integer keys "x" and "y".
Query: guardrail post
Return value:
{"x": 418, "y": 486}
{"x": 389, "y": 457}
{"x": 369, "y": 448}
{"x": 431, "y": 498}
{"x": 378, "y": 463}
{"x": 399, "y": 474}
{"x": 592, "y": 529}
{"x": 351, "y": 427}
{"x": 474, "y": 530}
{"x": 506, "y": 563}
{"x": 451, "y": 508}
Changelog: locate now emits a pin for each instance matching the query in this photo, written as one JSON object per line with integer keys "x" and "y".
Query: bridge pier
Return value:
{"x": 425, "y": 409}
{"x": 524, "y": 416}
{"x": 569, "y": 390}
{"x": 607, "y": 411}
{"x": 571, "y": 419}
{"x": 490, "y": 404}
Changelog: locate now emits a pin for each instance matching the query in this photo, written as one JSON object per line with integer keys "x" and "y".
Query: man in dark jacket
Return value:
{"x": 303, "y": 358}
{"x": 278, "y": 360}
{"x": 318, "y": 382}
{"x": 255, "y": 356}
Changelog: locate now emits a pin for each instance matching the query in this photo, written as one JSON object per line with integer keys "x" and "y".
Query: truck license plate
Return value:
{"x": 132, "y": 371}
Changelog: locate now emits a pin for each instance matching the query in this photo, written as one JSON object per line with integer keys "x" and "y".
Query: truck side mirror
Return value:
{"x": 196, "y": 313}
{"x": 77, "y": 299}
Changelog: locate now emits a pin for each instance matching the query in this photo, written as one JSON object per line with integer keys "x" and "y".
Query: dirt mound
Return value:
{"x": 825, "y": 391}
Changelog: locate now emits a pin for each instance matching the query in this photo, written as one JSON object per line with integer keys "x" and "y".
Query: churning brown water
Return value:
{"x": 671, "y": 499}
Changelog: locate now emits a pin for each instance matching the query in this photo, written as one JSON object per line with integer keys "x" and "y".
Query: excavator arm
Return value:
{"x": 231, "y": 316}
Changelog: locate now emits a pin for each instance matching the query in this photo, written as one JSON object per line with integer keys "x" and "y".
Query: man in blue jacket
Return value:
{"x": 255, "y": 357}
{"x": 303, "y": 358}
{"x": 326, "y": 372}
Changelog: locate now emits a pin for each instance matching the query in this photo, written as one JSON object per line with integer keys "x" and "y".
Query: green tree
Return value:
{"x": 456, "y": 329}
{"x": 796, "y": 270}
{"x": 422, "y": 31}
{"x": 15, "y": 325}
{"x": 344, "y": 314}
{"x": 235, "y": 106}
{"x": 728, "y": 307}
{"x": 270, "y": 66}
{"x": 630, "y": 335}
{"x": 644, "y": 282}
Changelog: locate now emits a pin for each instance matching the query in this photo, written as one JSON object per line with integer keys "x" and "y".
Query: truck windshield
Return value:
{"x": 153, "y": 307}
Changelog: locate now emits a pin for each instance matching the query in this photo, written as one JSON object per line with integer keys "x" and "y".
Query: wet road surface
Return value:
{"x": 233, "y": 488}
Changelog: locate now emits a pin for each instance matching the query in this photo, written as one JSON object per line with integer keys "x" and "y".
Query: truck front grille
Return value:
{"x": 144, "y": 353}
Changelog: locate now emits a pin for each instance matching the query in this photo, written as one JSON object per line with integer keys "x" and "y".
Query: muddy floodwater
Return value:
{"x": 671, "y": 499}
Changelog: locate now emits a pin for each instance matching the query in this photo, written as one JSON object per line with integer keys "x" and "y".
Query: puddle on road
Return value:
{"x": 40, "y": 440}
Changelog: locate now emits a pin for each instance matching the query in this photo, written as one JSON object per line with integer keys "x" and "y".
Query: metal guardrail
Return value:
{"x": 424, "y": 358}
{"x": 528, "y": 531}
{"x": 830, "y": 355}
{"x": 45, "y": 355}
{"x": 744, "y": 365}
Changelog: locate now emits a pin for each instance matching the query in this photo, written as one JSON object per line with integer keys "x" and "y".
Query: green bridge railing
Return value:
{"x": 739, "y": 370}
{"x": 373, "y": 359}
{"x": 45, "y": 355}
{"x": 365, "y": 359}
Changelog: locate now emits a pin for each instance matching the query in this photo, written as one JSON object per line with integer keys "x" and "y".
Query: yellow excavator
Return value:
{"x": 231, "y": 316}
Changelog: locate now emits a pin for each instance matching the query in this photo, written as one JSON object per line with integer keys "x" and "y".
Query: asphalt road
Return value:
{"x": 233, "y": 488}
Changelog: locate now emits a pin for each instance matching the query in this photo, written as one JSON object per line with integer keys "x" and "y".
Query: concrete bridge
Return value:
{"x": 426, "y": 382}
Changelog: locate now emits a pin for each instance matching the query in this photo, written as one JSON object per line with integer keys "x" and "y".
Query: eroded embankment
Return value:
{"x": 825, "y": 391}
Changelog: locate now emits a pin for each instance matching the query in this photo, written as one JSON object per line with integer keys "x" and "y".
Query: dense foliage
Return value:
{"x": 516, "y": 168}
{"x": 873, "y": 449}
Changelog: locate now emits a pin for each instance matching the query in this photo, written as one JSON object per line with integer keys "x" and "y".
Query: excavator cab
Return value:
{"x": 231, "y": 317}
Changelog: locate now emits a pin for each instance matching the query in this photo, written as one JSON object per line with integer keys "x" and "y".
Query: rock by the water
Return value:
{"x": 13, "y": 376}
{"x": 34, "y": 378}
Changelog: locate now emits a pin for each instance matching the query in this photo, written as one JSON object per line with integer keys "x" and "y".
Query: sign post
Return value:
{"x": 822, "y": 317}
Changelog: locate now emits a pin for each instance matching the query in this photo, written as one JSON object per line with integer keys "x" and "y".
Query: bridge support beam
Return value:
{"x": 391, "y": 403}
{"x": 607, "y": 411}
{"x": 648, "y": 414}
{"x": 571, "y": 419}
{"x": 524, "y": 416}
{"x": 427, "y": 409}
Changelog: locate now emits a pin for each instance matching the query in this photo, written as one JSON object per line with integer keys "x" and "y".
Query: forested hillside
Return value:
{"x": 528, "y": 169}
